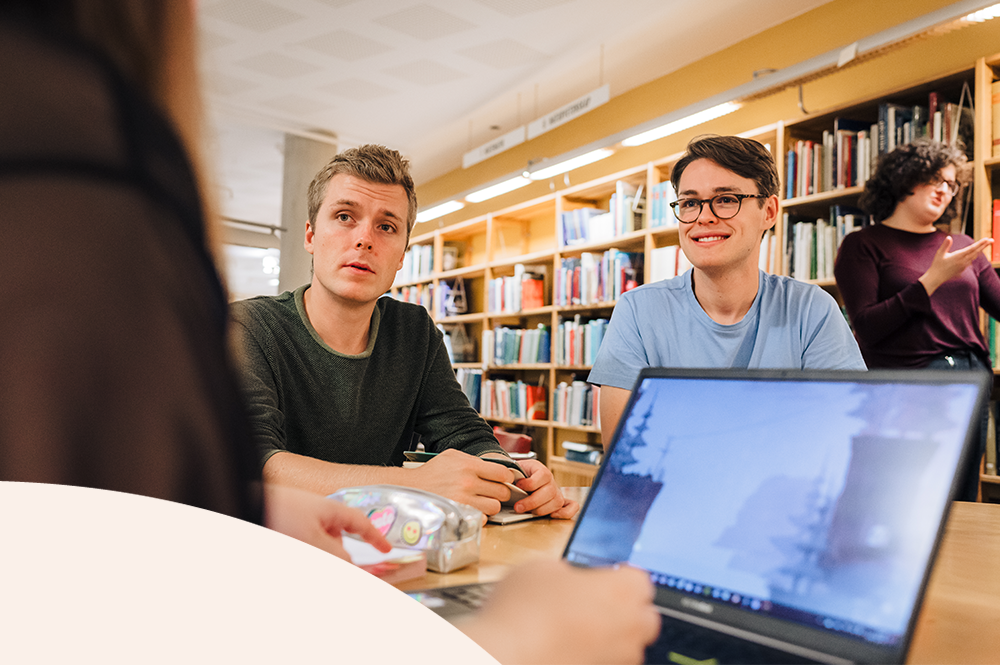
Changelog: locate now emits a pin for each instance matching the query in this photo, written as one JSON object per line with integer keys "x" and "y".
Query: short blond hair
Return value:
{"x": 374, "y": 163}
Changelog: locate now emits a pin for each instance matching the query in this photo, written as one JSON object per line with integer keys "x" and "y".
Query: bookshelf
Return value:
{"x": 530, "y": 234}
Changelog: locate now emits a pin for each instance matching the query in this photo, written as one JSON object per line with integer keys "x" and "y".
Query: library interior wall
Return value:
{"x": 824, "y": 29}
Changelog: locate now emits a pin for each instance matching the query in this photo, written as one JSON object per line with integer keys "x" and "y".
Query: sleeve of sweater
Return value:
{"x": 260, "y": 393}
{"x": 857, "y": 274}
{"x": 445, "y": 419}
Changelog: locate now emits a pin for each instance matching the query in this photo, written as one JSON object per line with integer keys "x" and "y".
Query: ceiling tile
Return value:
{"x": 278, "y": 65}
{"x": 209, "y": 40}
{"x": 520, "y": 7}
{"x": 346, "y": 45}
{"x": 337, "y": 3}
{"x": 255, "y": 15}
{"x": 297, "y": 104}
{"x": 504, "y": 54}
{"x": 357, "y": 89}
{"x": 425, "y": 72}
{"x": 425, "y": 22}
{"x": 223, "y": 84}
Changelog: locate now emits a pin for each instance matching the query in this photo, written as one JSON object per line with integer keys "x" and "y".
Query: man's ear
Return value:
{"x": 770, "y": 212}
{"x": 308, "y": 244}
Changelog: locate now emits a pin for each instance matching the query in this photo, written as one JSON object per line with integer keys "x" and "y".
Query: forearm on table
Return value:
{"x": 315, "y": 475}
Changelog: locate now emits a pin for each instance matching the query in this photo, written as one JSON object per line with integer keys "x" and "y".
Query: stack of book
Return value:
{"x": 517, "y": 346}
{"x": 583, "y": 225}
{"x": 587, "y": 453}
{"x": 597, "y": 278}
{"x": 418, "y": 294}
{"x": 523, "y": 291}
{"x": 507, "y": 399}
{"x": 847, "y": 155}
{"x": 812, "y": 244}
{"x": 576, "y": 404}
{"x": 418, "y": 263}
{"x": 578, "y": 341}
{"x": 471, "y": 381}
{"x": 660, "y": 214}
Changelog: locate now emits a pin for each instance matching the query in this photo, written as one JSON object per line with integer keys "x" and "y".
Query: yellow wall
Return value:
{"x": 824, "y": 29}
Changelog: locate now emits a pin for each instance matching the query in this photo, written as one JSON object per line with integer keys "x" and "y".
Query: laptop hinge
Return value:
{"x": 754, "y": 637}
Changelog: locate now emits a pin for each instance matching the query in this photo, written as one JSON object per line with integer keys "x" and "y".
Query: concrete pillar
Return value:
{"x": 303, "y": 160}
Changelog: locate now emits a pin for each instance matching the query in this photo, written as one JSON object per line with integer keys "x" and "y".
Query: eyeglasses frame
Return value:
{"x": 702, "y": 202}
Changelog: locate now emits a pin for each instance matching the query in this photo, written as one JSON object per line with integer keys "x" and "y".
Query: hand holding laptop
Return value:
{"x": 550, "y": 612}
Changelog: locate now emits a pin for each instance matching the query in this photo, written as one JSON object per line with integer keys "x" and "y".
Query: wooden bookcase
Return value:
{"x": 490, "y": 245}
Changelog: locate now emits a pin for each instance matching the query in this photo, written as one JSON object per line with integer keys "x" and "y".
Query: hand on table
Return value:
{"x": 545, "y": 497}
{"x": 551, "y": 612}
{"x": 316, "y": 520}
{"x": 466, "y": 479}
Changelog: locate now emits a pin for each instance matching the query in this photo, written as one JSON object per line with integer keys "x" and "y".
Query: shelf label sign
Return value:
{"x": 571, "y": 111}
{"x": 494, "y": 147}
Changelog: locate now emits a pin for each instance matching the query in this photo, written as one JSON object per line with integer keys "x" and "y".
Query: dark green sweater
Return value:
{"x": 303, "y": 397}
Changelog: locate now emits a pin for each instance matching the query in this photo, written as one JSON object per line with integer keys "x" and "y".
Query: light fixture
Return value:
{"x": 570, "y": 164}
{"x": 496, "y": 190}
{"x": 682, "y": 124}
{"x": 983, "y": 15}
{"x": 439, "y": 211}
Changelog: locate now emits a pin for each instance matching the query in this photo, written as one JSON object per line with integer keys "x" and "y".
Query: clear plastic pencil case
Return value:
{"x": 446, "y": 531}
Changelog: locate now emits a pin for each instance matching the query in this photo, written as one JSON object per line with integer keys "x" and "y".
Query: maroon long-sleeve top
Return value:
{"x": 896, "y": 323}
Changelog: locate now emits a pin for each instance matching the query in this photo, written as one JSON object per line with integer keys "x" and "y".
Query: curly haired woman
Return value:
{"x": 912, "y": 292}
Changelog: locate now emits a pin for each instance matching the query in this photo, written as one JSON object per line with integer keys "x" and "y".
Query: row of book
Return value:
{"x": 513, "y": 400}
{"x": 586, "y": 225}
{"x": 418, "y": 263}
{"x": 525, "y": 289}
{"x": 471, "y": 381}
{"x": 812, "y": 244}
{"x": 847, "y": 155}
{"x": 577, "y": 341}
{"x": 418, "y": 294}
{"x": 517, "y": 346}
{"x": 660, "y": 214}
{"x": 667, "y": 262}
{"x": 844, "y": 158}
{"x": 596, "y": 278}
{"x": 576, "y": 403}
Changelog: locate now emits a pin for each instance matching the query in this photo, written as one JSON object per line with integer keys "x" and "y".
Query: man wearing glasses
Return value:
{"x": 725, "y": 311}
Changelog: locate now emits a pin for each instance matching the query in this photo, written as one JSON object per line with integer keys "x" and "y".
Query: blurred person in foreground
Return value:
{"x": 113, "y": 339}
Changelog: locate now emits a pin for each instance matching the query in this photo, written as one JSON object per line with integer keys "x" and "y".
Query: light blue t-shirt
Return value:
{"x": 662, "y": 325}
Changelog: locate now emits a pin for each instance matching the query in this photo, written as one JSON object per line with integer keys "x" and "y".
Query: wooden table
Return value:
{"x": 960, "y": 621}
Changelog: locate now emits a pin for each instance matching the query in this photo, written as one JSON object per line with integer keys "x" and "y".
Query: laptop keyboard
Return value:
{"x": 682, "y": 643}
{"x": 472, "y": 595}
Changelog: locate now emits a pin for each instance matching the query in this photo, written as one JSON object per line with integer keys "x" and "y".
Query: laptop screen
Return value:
{"x": 816, "y": 501}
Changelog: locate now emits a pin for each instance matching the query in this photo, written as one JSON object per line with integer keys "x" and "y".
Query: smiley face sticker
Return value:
{"x": 411, "y": 532}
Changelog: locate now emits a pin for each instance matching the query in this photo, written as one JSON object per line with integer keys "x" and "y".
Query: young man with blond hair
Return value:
{"x": 339, "y": 380}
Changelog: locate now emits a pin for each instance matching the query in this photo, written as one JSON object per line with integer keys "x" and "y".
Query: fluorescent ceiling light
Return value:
{"x": 570, "y": 164}
{"x": 498, "y": 189}
{"x": 984, "y": 14}
{"x": 682, "y": 124}
{"x": 439, "y": 211}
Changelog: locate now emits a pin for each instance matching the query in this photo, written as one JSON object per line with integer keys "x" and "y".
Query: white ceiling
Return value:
{"x": 432, "y": 79}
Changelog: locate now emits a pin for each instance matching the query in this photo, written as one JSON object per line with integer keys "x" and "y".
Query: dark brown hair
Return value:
{"x": 906, "y": 167}
{"x": 744, "y": 157}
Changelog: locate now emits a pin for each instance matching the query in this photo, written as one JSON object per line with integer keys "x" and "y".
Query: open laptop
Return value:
{"x": 783, "y": 516}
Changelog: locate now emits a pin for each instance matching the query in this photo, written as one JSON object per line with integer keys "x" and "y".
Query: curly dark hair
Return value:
{"x": 907, "y": 166}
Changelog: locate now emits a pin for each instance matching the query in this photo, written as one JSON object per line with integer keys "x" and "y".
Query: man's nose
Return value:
{"x": 364, "y": 237}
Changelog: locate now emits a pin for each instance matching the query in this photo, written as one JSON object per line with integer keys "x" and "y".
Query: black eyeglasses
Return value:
{"x": 723, "y": 206}
{"x": 937, "y": 181}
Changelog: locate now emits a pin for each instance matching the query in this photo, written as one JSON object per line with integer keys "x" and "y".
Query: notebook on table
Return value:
{"x": 783, "y": 516}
